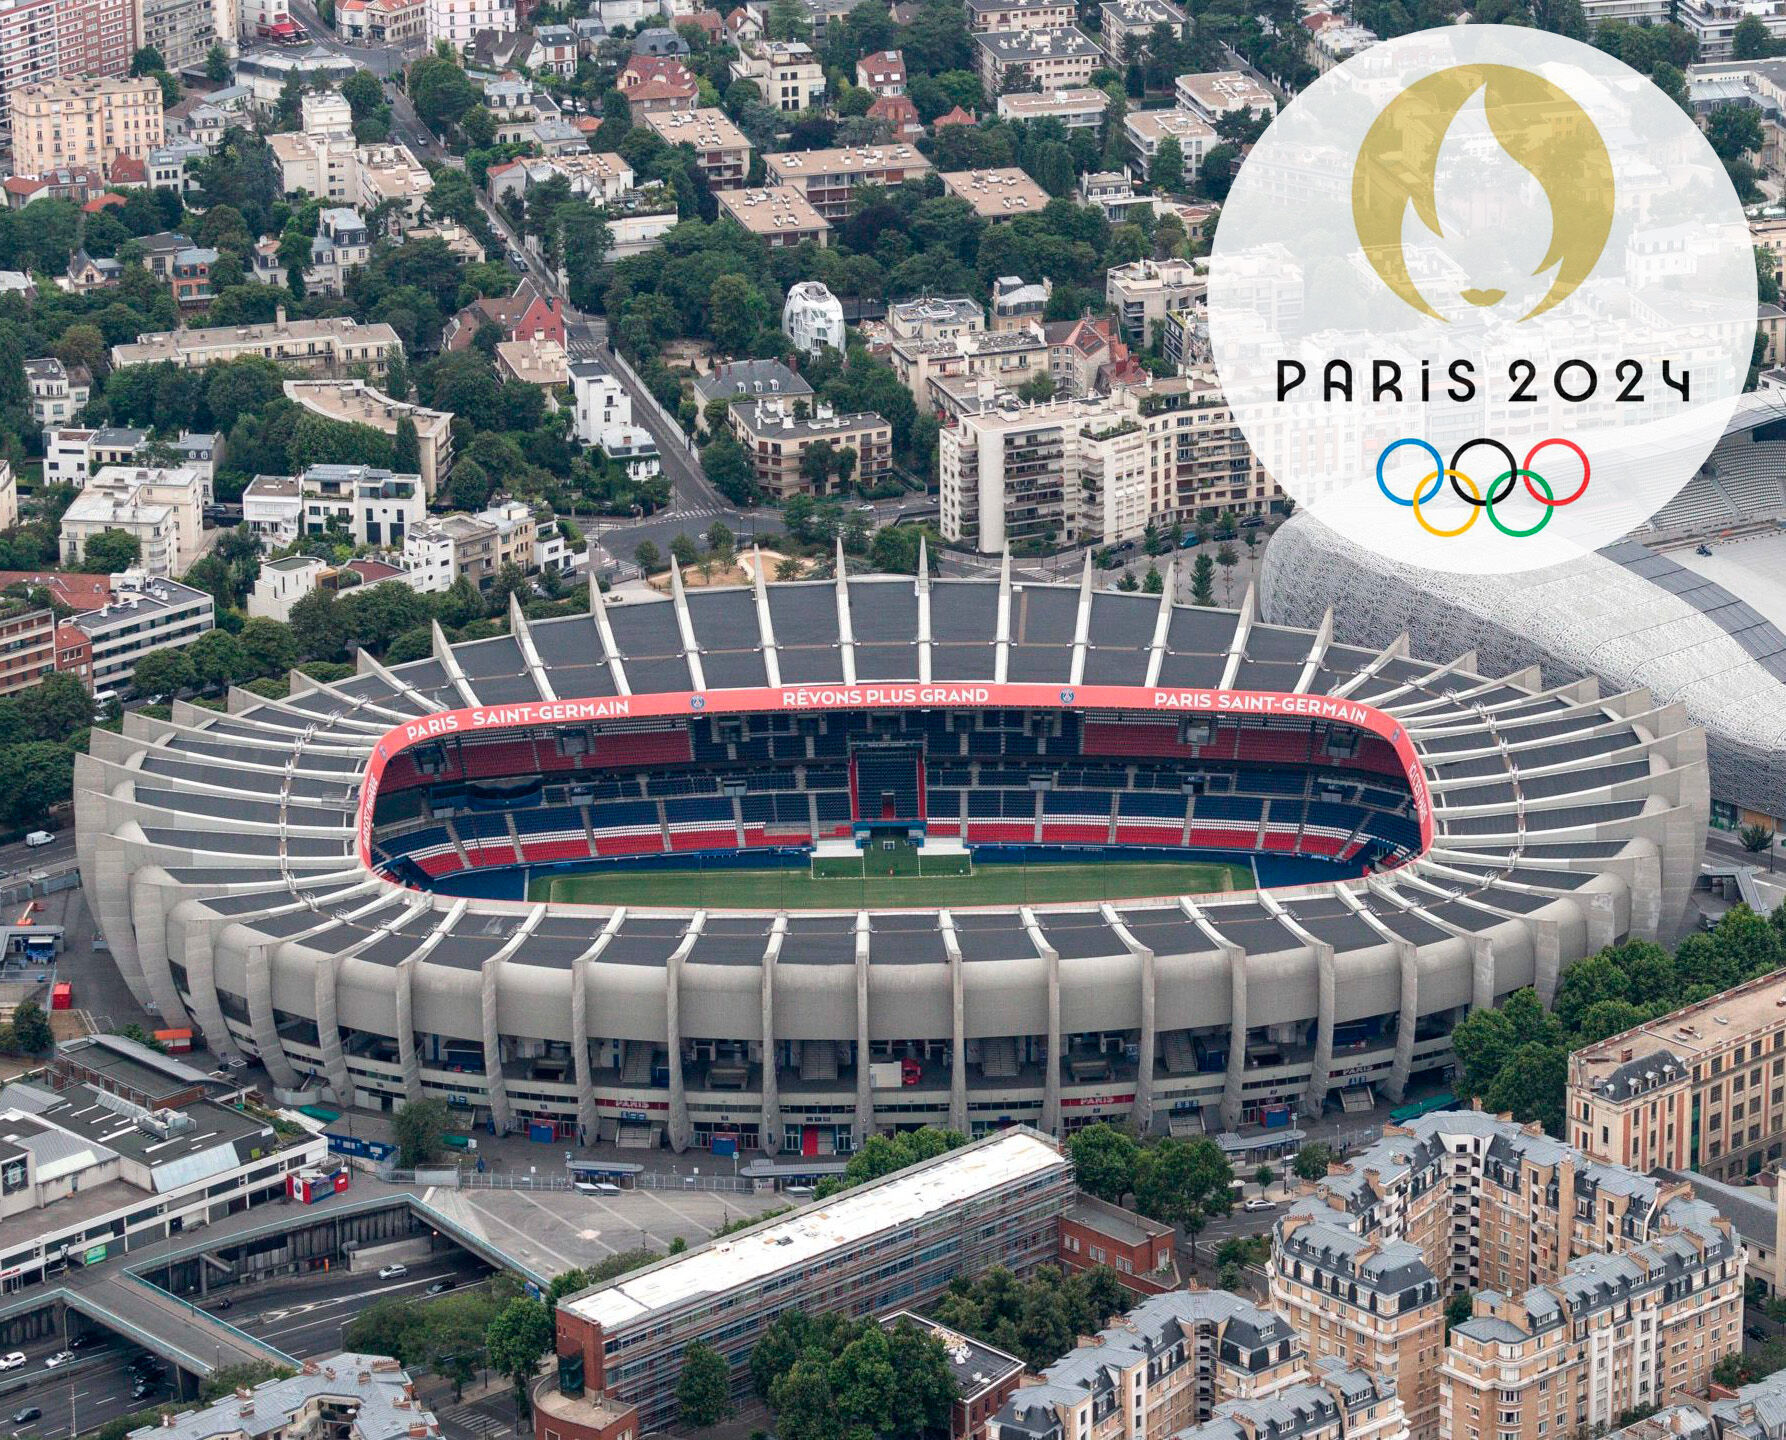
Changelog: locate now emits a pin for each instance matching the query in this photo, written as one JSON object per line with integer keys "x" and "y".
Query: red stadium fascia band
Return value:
{"x": 807, "y": 699}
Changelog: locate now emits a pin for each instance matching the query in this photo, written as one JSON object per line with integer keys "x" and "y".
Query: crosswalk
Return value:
{"x": 472, "y": 1420}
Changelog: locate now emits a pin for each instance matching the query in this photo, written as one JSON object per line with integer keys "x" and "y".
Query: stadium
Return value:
{"x": 795, "y": 862}
{"x": 1690, "y": 607}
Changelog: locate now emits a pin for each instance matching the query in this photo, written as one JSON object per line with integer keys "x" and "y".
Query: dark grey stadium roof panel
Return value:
{"x": 964, "y": 611}
{"x": 993, "y": 936}
{"x": 884, "y": 611}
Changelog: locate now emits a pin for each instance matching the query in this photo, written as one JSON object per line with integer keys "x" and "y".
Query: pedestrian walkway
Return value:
{"x": 473, "y": 1419}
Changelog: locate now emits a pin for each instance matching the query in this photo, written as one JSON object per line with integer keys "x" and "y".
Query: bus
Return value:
{"x": 1403, "y": 1113}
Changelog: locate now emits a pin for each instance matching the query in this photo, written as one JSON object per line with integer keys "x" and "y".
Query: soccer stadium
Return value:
{"x": 795, "y": 862}
{"x": 1690, "y": 607}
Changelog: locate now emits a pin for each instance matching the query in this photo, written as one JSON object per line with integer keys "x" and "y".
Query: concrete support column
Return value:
{"x": 1602, "y": 918}
{"x": 1051, "y": 1075}
{"x": 1143, "y": 1111}
{"x": 769, "y": 1130}
{"x": 495, "y": 1084}
{"x": 408, "y": 1060}
{"x": 328, "y": 1031}
{"x": 588, "y": 1122}
{"x": 957, "y": 1029}
{"x": 679, "y": 1127}
{"x": 1237, "y": 1028}
{"x": 260, "y": 1019}
{"x": 864, "y": 1123}
{"x": 1547, "y": 957}
{"x": 201, "y": 981}
{"x": 1407, "y": 956}
{"x": 1319, "y": 1081}
{"x": 1482, "y": 973}
{"x": 144, "y": 918}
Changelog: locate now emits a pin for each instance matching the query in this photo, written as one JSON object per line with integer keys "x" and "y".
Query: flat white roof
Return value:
{"x": 901, "y": 1199}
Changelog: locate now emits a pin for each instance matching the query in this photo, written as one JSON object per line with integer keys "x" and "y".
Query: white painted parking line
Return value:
{"x": 490, "y": 1217}
{"x": 559, "y": 1219}
{"x": 653, "y": 1196}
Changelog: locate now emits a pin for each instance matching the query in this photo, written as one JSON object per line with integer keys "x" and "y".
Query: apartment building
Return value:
{"x": 27, "y": 645}
{"x": 146, "y": 613}
{"x": 996, "y": 194}
{"x": 1144, "y": 292}
{"x": 1159, "y": 1369}
{"x": 458, "y": 21}
{"x": 1128, "y": 25}
{"x": 58, "y": 394}
{"x": 1703, "y": 1088}
{"x": 357, "y": 1397}
{"x": 391, "y": 174}
{"x": 516, "y": 529}
{"x": 162, "y": 508}
{"x": 316, "y": 347}
{"x": 70, "y": 456}
{"x": 827, "y": 178}
{"x": 741, "y": 382}
{"x": 438, "y": 552}
{"x": 325, "y": 166}
{"x": 895, "y": 1241}
{"x": 1211, "y": 94}
{"x": 282, "y": 583}
{"x": 1010, "y": 358}
{"x": 1461, "y": 1200}
{"x": 374, "y": 506}
{"x": 1337, "y": 1404}
{"x": 600, "y": 178}
{"x": 182, "y": 30}
{"x": 781, "y": 216}
{"x": 87, "y": 120}
{"x": 354, "y": 402}
{"x": 600, "y": 400}
{"x": 1142, "y": 1252}
{"x": 985, "y": 15}
{"x": 786, "y": 71}
{"x": 722, "y": 154}
{"x": 340, "y": 246}
{"x": 777, "y": 439}
{"x": 935, "y": 317}
{"x": 1076, "y": 108}
{"x": 1060, "y": 59}
{"x": 1334, "y": 44}
{"x": 1145, "y": 130}
{"x": 1613, "y": 1334}
{"x": 812, "y": 318}
{"x": 9, "y": 496}
{"x": 1016, "y": 303}
{"x": 654, "y": 83}
{"x": 44, "y": 40}
{"x": 634, "y": 449}
{"x": 1713, "y": 23}
{"x": 382, "y": 22}
{"x": 1095, "y": 470}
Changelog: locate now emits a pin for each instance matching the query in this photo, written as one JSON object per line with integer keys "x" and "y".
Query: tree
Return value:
{"x": 406, "y": 449}
{"x": 1263, "y": 1176}
{"x": 737, "y": 311}
{"x": 728, "y": 466}
{"x": 1038, "y": 389}
{"x": 816, "y": 464}
{"x": 109, "y": 552}
{"x": 1166, "y": 172}
{"x": 1203, "y": 581}
{"x": 883, "y": 1154}
{"x": 1458, "y": 1309}
{"x": 31, "y": 1029}
{"x": 1751, "y": 39}
{"x": 1104, "y": 1161}
{"x": 1153, "y": 582}
{"x": 1215, "y": 176}
{"x": 147, "y": 61}
{"x": 1184, "y": 1182}
{"x": 267, "y": 647}
{"x": 162, "y": 672}
{"x": 419, "y": 1126}
{"x": 1758, "y": 840}
{"x": 1530, "y": 1086}
{"x": 217, "y": 660}
{"x": 1312, "y": 1161}
{"x": 704, "y": 1389}
{"x": 55, "y": 708}
{"x": 648, "y": 557}
{"x": 517, "y": 1340}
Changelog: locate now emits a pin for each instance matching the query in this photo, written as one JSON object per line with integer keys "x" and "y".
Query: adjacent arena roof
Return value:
{"x": 223, "y": 855}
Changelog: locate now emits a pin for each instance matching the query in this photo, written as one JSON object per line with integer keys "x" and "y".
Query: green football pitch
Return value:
{"x": 914, "y": 884}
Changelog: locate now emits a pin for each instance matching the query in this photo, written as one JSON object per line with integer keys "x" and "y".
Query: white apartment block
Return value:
{"x": 1211, "y": 94}
{"x": 601, "y": 401}
{"x": 1095, "y": 471}
{"x": 146, "y": 613}
{"x": 57, "y": 393}
{"x": 374, "y": 506}
{"x": 162, "y": 508}
{"x": 1144, "y": 292}
{"x": 281, "y": 584}
{"x": 787, "y": 72}
{"x": 70, "y": 456}
{"x": 354, "y": 402}
{"x": 1060, "y": 59}
{"x": 1146, "y": 130}
{"x": 272, "y": 506}
{"x": 457, "y": 21}
{"x": 812, "y": 318}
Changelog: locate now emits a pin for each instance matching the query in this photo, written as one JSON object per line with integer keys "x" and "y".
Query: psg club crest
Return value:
{"x": 697, "y": 702}
{"x": 1066, "y": 697}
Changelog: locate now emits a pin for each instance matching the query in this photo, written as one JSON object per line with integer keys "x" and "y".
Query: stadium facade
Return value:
{"x": 332, "y": 883}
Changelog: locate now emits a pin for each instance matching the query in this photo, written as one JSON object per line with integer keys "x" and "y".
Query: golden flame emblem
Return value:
{"x": 1541, "y": 127}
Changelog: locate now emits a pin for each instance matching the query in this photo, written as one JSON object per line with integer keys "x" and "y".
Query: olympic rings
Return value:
{"x": 1453, "y": 476}
{"x": 1500, "y": 488}
{"x": 1383, "y": 485}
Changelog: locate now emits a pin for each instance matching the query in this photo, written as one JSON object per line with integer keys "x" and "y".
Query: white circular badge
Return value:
{"x": 1482, "y": 298}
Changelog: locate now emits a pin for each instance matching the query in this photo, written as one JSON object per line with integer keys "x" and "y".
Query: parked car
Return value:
{"x": 12, "y": 1361}
{"x": 1259, "y": 1202}
{"x": 393, "y": 1272}
{"x": 440, "y": 1287}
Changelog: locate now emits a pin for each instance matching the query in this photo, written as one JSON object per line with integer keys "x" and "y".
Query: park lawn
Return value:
{"x": 795, "y": 889}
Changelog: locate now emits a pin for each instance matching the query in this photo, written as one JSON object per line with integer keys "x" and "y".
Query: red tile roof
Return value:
{"x": 103, "y": 202}
{"x": 957, "y": 116}
{"x": 77, "y": 591}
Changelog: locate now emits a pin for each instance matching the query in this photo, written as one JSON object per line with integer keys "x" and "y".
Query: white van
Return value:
{"x": 39, "y": 837}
